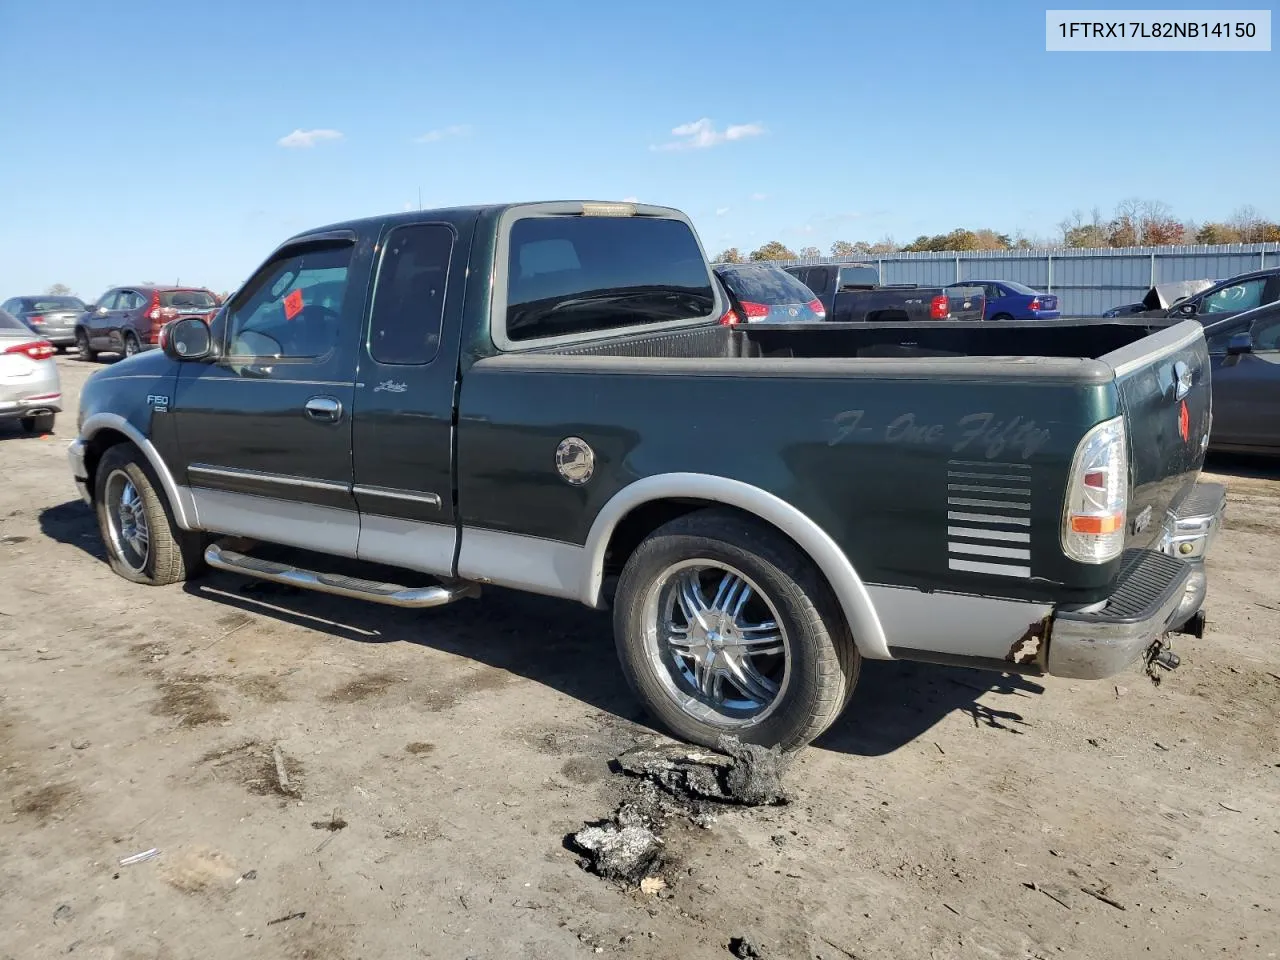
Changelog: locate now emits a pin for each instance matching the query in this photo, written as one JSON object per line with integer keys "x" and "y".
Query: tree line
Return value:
{"x": 1133, "y": 223}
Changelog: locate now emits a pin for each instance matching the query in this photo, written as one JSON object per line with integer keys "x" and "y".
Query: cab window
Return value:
{"x": 292, "y": 308}
{"x": 408, "y": 299}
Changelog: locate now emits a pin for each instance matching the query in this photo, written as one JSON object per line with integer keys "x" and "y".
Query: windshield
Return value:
{"x": 45, "y": 304}
{"x": 764, "y": 285}
{"x": 188, "y": 299}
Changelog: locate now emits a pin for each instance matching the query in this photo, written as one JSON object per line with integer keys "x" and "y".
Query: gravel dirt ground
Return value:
{"x": 328, "y": 779}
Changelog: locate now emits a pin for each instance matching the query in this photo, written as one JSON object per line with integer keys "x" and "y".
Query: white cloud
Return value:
{"x": 308, "y": 138}
{"x": 444, "y": 133}
{"x": 701, "y": 134}
{"x": 630, "y": 199}
{"x": 759, "y": 196}
{"x": 721, "y": 211}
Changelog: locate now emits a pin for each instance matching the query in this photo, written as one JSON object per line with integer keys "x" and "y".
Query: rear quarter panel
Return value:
{"x": 874, "y": 460}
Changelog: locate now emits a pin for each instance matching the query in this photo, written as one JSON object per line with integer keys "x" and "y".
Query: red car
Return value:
{"x": 128, "y": 319}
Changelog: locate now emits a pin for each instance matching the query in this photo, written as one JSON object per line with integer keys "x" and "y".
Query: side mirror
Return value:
{"x": 1188, "y": 308}
{"x": 187, "y": 339}
{"x": 1239, "y": 343}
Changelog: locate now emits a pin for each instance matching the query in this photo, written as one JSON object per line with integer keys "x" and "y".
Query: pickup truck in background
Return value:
{"x": 851, "y": 293}
{"x": 541, "y": 396}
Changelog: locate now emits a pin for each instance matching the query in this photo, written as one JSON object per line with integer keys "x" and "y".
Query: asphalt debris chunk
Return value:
{"x": 624, "y": 848}
{"x": 736, "y": 773}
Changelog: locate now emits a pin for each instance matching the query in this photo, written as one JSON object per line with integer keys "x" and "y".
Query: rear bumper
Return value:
{"x": 28, "y": 407}
{"x": 1157, "y": 591}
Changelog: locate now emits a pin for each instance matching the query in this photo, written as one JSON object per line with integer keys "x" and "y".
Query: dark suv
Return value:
{"x": 128, "y": 319}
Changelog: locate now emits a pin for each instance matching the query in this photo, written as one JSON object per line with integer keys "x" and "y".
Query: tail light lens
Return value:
{"x": 754, "y": 311}
{"x": 1093, "y": 522}
{"x": 730, "y": 319}
{"x": 36, "y": 349}
{"x": 816, "y": 306}
{"x": 153, "y": 311}
{"x": 1034, "y": 304}
{"x": 35, "y": 319}
{"x": 939, "y": 308}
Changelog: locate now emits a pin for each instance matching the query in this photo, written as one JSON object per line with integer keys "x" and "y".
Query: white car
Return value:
{"x": 29, "y": 387}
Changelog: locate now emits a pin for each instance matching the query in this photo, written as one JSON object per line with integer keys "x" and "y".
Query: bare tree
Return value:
{"x": 810, "y": 253}
{"x": 58, "y": 290}
{"x": 842, "y": 248}
{"x": 732, "y": 255}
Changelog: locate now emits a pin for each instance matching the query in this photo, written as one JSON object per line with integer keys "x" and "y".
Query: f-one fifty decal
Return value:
{"x": 974, "y": 434}
{"x": 989, "y": 517}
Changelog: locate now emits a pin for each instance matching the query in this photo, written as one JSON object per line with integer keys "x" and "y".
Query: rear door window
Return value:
{"x": 571, "y": 275}
{"x": 408, "y": 299}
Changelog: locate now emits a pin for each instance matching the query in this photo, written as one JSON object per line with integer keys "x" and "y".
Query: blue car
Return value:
{"x": 1010, "y": 300}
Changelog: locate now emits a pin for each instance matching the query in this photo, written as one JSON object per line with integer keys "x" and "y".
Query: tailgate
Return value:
{"x": 1164, "y": 386}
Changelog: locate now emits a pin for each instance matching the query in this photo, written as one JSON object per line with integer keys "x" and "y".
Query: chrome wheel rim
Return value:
{"x": 130, "y": 346}
{"x": 127, "y": 521}
{"x": 716, "y": 643}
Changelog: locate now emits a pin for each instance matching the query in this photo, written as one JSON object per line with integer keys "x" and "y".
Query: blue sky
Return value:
{"x": 144, "y": 140}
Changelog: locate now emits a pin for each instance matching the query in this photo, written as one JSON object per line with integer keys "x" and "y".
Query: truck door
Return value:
{"x": 404, "y": 402}
{"x": 265, "y": 430}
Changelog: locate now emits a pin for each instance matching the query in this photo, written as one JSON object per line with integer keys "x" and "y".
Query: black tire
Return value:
{"x": 172, "y": 554}
{"x": 1001, "y": 317}
{"x": 85, "y": 351}
{"x": 61, "y": 348}
{"x": 822, "y": 662}
{"x": 131, "y": 345}
{"x": 41, "y": 423}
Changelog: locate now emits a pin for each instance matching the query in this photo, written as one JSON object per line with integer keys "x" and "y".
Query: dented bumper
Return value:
{"x": 1157, "y": 591}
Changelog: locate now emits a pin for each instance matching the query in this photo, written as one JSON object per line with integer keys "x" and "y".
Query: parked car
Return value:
{"x": 1160, "y": 298}
{"x": 851, "y": 293}
{"x": 765, "y": 293}
{"x": 52, "y": 317}
{"x": 30, "y": 391}
{"x": 1010, "y": 300}
{"x": 1224, "y": 298}
{"x": 1245, "y": 353}
{"x": 542, "y": 397}
{"x": 128, "y": 319}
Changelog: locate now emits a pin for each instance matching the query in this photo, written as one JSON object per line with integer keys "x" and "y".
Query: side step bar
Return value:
{"x": 222, "y": 557}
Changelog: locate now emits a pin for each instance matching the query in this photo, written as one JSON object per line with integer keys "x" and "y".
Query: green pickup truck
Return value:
{"x": 549, "y": 397}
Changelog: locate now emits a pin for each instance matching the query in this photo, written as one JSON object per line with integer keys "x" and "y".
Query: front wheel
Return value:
{"x": 131, "y": 345}
{"x": 724, "y": 626}
{"x": 143, "y": 542}
{"x": 85, "y": 351}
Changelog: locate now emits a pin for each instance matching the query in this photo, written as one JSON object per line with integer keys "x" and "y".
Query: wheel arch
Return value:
{"x": 103, "y": 431}
{"x": 659, "y": 498}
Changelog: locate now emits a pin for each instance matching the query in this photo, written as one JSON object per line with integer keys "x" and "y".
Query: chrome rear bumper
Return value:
{"x": 1157, "y": 591}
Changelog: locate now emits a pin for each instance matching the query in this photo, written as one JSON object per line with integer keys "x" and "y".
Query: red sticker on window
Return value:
{"x": 293, "y": 305}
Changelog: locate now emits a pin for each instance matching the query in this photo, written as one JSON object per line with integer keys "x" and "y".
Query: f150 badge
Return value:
{"x": 158, "y": 403}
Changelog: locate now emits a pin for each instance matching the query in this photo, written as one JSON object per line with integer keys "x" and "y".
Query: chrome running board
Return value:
{"x": 221, "y": 557}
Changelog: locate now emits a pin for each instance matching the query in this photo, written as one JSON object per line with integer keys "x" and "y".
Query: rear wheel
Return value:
{"x": 62, "y": 348}
{"x": 85, "y": 351}
{"x": 41, "y": 423}
{"x": 724, "y": 626}
{"x": 131, "y": 345}
{"x": 144, "y": 543}
{"x": 1001, "y": 316}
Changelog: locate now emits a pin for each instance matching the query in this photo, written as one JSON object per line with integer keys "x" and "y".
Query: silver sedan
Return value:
{"x": 29, "y": 388}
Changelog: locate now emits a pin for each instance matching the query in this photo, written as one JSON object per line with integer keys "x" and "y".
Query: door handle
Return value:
{"x": 324, "y": 409}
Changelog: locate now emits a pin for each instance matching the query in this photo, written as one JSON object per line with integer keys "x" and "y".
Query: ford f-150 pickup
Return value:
{"x": 542, "y": 396}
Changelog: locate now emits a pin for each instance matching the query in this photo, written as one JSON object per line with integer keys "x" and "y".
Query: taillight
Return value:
{"x": 754, "y": 311}
{"x": 939, "y": 308}
{"x": 730, "y": 319}
{"x": 35, "y": 319}
{"x": 36, "y": 349}
{"x": 153, "y": 311}
{"x": 1034, "y": 304}
{"x": 1093, "y": 521}
{"x": 816, "y": 306}
{"x": 160, "y": 336}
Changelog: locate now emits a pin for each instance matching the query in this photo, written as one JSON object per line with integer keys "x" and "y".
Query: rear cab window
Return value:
{"x": 569, "y": 277}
